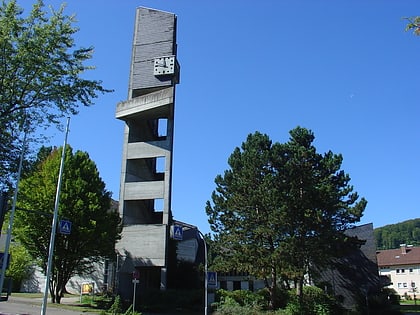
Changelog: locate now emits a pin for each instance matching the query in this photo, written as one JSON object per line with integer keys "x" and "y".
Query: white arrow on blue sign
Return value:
{"x": 65, "y": 227}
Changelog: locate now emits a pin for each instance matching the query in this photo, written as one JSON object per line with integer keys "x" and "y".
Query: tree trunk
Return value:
{"x": 273, "y": 289}
{"x": 299, "y": 291}
{"x": 51, "y": 289}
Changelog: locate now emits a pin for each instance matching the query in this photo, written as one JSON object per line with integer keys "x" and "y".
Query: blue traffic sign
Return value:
{"x": 65, "y": 227}
{"x": 178, "y": 233}
{"x": 211, "y": 278}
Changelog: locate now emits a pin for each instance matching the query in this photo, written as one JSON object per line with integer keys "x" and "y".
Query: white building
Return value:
{"x": 402, "y": 267}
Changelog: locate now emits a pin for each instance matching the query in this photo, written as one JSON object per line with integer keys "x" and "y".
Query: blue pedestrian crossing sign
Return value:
{"x": 178, "y": 233}
{"x": 211, "y": 278}
{"x": 65, "y": 227}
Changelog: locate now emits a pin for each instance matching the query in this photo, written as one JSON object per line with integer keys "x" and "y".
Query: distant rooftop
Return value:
{"x": 405, "y": 255}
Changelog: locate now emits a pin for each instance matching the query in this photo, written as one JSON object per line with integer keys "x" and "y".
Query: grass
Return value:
{"x": 28, "y": 295}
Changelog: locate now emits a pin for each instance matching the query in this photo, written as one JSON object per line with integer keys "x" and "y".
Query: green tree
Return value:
{"x": 83, "y": 200}
{"x": 20, "y": 268}
{"x": 41, "y": 75}
{"x": 413, "y": 24}
{"x": 393, "y": 235}
{"x": 281, "y": 208}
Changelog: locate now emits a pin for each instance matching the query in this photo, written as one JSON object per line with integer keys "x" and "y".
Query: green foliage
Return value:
{"x": 413, "y": 24}
{"x": 238, "y": 302}
{"x": 242, "y": 298}
{"x": 130, "y": 311}
{"x": 314, "y": 302}
{"x": 116, "y": 308}
{"x": 20, "y": 268}
{"x": 42, "y": 75}
{"x": 83, "y": 200}
{"x": 281, "y": 208}
{"x": 391, "y": 236}
{"x": 231, "y": 308}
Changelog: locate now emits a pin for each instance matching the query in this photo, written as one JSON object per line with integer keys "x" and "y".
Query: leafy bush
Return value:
{"x": 314, "y": 302}
{"x": 130, "y": 311}
{"x": 116, "y": 308}
{"x": 230, "y": 307}
{"x": 241, "y": 297}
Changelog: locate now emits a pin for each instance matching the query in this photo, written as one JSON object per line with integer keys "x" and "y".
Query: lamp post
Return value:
{"x": 205, "y": 273}
{"x": 54, "y": 224}
{"x": 11, "y": 218}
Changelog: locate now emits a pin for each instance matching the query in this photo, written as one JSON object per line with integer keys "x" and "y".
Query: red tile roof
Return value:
{"x": 394, "y": 257}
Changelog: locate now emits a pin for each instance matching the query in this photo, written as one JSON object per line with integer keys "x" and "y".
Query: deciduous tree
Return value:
{"x": 83, "y": 200}
{"x": 281, "y": 208}
{"x": 413, "y": 24}
{"x": 41, "y": 72}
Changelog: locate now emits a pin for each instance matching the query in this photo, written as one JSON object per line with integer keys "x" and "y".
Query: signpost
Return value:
{"x": 136, "y": 276}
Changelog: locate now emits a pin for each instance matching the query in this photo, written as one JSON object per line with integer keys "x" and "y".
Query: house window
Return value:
{"x": 410, "y": 270}
{"x": 400, "y": 270}
{"x": 413, "y": 284}
{"x": 399, "y": 285}
{"x": 405, "y": 284}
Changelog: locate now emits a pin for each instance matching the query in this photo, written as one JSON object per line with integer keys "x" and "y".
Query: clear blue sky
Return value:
{"x": 347, "y": 70}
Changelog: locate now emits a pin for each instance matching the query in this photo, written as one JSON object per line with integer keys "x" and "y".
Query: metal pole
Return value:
{"x": 54, "y": 222}
{"x": 11, "y": 218}
{"x": 205, "y": 273}
{"x": 134, "y": 295}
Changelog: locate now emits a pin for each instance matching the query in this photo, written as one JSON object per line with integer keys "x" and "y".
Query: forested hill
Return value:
{"x": 391, "y": 236}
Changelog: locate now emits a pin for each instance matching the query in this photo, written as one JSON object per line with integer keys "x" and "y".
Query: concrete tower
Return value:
{"x": 145, "y": 188}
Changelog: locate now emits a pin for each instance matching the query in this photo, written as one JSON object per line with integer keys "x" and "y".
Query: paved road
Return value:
{"x": 32, "y": 306}
{"x": 24, "y": 306}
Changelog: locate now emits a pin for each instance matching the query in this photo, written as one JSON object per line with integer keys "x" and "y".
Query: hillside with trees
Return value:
{"x": 391, "y": 236}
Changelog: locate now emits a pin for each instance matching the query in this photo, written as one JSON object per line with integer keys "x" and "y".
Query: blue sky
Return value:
{"x": 347, "y": 70}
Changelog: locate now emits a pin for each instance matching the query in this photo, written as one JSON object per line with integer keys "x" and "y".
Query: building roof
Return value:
{"x": 354, "y": 275}
{"x": 405, "y": 255}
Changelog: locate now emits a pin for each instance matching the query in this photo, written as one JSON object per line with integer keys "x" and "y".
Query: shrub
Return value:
{"x": 241, "y": 297}
{"x": 314, "y": 302}
{"x": 116, "y": 308}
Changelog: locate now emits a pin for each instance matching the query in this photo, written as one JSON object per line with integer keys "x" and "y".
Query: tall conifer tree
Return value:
{"x": 281, "y": 209}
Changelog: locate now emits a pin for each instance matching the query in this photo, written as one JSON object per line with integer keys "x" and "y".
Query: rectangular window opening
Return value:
{"x": 162, "y": 127}
{"x": 158, "y": 205}
{"x": 160, "y": 164}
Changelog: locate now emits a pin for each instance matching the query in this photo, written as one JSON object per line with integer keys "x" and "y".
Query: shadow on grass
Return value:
{"x": 410, "y": 308}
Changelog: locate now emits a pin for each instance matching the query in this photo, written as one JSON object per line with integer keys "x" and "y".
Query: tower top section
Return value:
{"x": 154, "y": 62}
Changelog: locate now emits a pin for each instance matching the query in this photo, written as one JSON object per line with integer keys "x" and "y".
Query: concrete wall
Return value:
{"x": 146, "y": 170}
